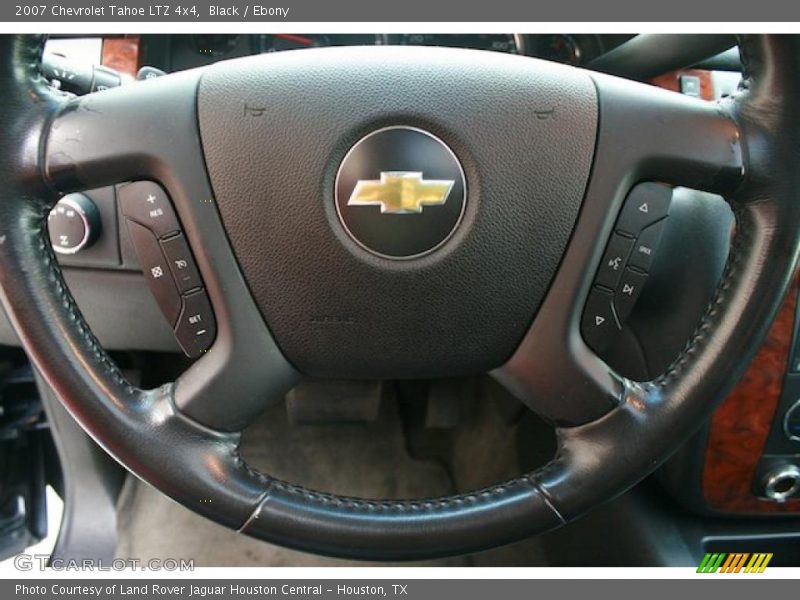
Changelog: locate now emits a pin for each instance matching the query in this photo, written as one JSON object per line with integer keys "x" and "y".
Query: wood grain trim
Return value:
{"x": 121, "y": 54}
{"x": 741, "y": 425}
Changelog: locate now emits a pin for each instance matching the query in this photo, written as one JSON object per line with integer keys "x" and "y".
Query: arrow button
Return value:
{"x": 646, "y": 204}
{"x": 630, "y": 286}
{"x": 599, "y": 326}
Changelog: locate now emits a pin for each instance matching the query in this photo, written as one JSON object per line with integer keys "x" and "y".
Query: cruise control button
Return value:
{"x": 614, "y": 259}
{"x": 630, "y": 286}
{"x": 148, "y": 204}
{"x": 645, "y": 204}
{"x": 645, "y": 247}
{"x": 196, "y": 327}
{"x": 599, "y": 324}
{"x": 181, "y": 263}
{"x": 156, "y": 271}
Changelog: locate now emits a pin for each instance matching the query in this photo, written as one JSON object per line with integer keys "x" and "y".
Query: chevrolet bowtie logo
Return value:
{"x": 401, "y": 192}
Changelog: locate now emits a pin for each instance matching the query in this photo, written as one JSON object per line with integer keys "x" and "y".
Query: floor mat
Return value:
{"x": 355, "y": 459}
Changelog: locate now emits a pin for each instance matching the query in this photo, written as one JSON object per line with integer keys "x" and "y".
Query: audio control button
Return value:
{"x": 646, "y": 203}
{"x": 599, "y": 325}
{"x": 645, "y": 247}
{"x": 630, "y": 286}
{"x": 614, "y": 259}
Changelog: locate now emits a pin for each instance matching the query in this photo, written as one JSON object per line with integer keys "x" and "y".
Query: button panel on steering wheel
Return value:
{"x": 168, "y": 264}
{"x": 625, "y": 265}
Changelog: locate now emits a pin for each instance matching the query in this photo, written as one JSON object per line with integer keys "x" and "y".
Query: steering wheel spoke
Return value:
{"x": 645, "y": 135}
{"x": 650, "y": 134}
{"x": 149, "y": 132}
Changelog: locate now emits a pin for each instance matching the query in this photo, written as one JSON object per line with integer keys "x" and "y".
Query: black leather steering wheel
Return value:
{"x": 549, "y": 154}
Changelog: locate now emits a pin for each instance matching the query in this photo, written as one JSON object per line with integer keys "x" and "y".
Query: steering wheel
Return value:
{"x": 259, "y": 157}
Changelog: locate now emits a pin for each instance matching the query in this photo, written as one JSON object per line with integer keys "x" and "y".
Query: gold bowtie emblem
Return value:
{"x": 401, "y": 192}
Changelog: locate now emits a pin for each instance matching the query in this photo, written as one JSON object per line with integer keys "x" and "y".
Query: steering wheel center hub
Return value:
{"x": 400, "y": 192}
{"x": 397, "y": 230}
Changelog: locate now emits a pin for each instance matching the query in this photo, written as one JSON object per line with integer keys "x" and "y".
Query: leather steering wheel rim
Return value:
{"x": 746, "y": 147}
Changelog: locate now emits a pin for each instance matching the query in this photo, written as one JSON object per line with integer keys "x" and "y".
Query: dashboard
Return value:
{"x": 177, "y": 52}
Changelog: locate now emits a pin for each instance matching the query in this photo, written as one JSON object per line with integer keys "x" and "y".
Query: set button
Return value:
{"x": 196, "y": 328}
